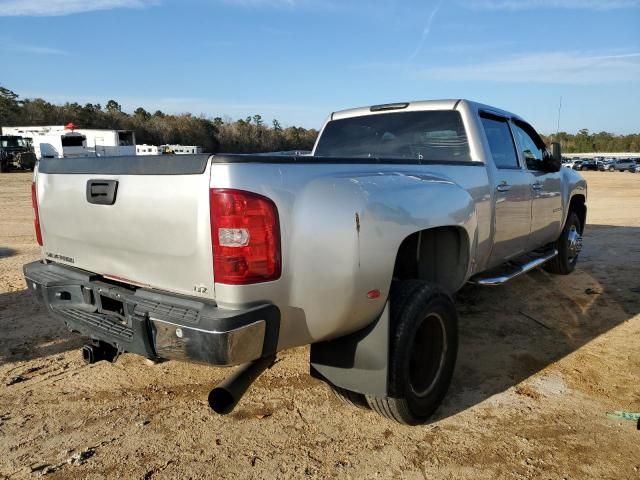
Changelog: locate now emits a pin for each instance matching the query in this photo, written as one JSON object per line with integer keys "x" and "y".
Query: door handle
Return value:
{"x": 503, "y": 187}
{"x": 537, "y": 186}
{"x": 102, "y": 192}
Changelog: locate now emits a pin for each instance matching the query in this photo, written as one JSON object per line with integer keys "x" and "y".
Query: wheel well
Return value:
{"x": 578, "y": 205}
{"x": 439, "y": 255}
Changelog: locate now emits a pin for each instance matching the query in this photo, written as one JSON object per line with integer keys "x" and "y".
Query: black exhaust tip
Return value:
{"x": 224, "y": 398}
{"x": 221, "y": 401}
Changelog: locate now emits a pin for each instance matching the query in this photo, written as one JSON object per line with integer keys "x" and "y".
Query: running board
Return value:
{"x": 516, "y": 272}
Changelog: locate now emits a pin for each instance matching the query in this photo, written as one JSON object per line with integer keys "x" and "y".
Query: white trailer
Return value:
{"x": 58, "y": 141}
{"x": 182, "y": 149}
{"x": 145, "y": 149}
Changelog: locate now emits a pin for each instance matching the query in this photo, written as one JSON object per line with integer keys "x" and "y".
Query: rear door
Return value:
{"x": 142, "y": 220}
{"x": 512, "y": 184}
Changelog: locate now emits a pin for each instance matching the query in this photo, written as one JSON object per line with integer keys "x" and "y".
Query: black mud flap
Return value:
{"x": 358, "y": 361}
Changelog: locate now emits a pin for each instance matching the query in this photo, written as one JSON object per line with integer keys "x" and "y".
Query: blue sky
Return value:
{"x": 297, "y": 60}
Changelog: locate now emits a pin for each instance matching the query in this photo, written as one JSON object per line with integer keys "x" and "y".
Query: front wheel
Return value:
{"x": 611, "y": 169}
{"x": 423, "y": 350}
{"x": 568, "y": 245}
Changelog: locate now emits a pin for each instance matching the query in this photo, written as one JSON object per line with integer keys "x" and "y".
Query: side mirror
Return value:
{"x": 553, "y": 160}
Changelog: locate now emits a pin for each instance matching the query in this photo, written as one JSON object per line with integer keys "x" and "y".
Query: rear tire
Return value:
{"x": 568, "y": 245}
{"x": 423, "y": 350}
{"x": 353, "y": 399}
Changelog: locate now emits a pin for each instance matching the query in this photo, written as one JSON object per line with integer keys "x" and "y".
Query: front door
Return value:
{"x": 512, "y": 192}
{"x": 546, "y": 210}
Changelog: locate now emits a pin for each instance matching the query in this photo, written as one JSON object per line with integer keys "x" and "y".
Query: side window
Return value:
{"x": 500, "y": 142}
{"x": 531, "y": 151}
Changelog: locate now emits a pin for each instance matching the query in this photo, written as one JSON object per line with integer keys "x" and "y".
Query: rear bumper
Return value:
{"x": 154, "y": 324}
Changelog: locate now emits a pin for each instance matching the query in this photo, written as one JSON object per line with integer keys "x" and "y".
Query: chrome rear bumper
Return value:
{"x": 157, "y": 325}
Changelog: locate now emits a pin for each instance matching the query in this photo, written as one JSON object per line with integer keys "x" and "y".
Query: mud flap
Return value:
{"x": 358, "y": 361}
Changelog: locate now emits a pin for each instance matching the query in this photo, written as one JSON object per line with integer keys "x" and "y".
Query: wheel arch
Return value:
{"x": 439, "y": 254}
{"x": 578, "y": 204}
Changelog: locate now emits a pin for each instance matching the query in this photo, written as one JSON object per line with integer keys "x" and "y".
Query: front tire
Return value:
{"x": 568, "y": 245}
{"x": 423, "y": 350}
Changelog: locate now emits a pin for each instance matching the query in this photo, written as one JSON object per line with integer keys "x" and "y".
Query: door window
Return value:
{"x": 532, "y": 150}
{"x": 500, "y": 142}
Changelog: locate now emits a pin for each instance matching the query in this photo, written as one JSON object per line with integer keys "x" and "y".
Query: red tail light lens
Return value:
{"x": 36, "y": 215}
{"x": 245, "y": 234}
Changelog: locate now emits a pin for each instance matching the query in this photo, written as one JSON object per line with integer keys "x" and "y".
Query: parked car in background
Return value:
{"x": 586, "y": 165}
{"x": 605, "y": 164}
{"x": 16, "y": 153}
{"x": 568, "y": 162}
{"x": 575, "y": 164}
{"x": 636, "y": 167}
{"x": 623, "y": 164}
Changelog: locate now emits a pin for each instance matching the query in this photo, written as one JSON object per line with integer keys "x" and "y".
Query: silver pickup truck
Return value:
{"x": 356, "y": 249}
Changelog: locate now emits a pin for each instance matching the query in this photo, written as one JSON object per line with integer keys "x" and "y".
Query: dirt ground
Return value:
{"x": 542, "y": 361}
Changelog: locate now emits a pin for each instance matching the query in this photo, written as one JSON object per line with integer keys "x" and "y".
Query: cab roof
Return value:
{"x": 421, "y": 105}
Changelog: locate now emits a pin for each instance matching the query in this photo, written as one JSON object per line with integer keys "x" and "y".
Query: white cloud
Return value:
{"x": 45, "y": 8}
{"x": 426, "y": 31}
{"x": 574, "y": 68}
{"x": 534, "y": 4}
{"x": 268, "y": 3}
{"x": 470, "y": 48}
{"x": 317, "y": 5}
{"x": 39, "y": 50}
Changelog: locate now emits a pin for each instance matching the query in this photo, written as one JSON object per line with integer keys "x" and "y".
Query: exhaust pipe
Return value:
{"x": 92, "y": 353}
{"x": 226, "y": 395}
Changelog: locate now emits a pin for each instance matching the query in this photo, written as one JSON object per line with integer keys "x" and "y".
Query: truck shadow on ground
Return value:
{"x": 511, "y": 332}
{"x": 28, "y": 332}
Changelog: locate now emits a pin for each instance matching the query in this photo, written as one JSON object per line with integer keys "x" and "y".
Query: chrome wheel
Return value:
{"x": 428, "y": 354}
{"x": 574, "y": 243}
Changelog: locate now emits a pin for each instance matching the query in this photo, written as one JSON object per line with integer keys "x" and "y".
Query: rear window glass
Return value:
{"x": 420, "y": 136}
{"x": 125, "y": 139}
{"x": 72, "y": 141}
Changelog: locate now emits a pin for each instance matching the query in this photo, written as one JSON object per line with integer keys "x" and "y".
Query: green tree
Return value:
{"x": 141, "y": 113}
{"x": 113, "y": 107}
{"x": 9, "y": 106}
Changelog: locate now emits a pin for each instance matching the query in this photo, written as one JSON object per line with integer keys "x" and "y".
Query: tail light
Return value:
{"x": 245, "y": 234}
{"x": 36, "y": 215}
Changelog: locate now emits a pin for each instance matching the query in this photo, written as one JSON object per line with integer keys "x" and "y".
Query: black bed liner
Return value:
{"x": 196, "y": 164}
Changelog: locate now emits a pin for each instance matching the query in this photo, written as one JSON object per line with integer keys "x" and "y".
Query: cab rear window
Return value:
{"x": 421, "y": 136}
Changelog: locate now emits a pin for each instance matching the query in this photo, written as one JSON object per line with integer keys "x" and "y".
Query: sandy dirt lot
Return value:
{"x": 542, "y": 361}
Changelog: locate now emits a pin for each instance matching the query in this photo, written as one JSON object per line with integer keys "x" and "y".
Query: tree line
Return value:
{"x": 587, "y": 142}
{"x": 218, "y": 134}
